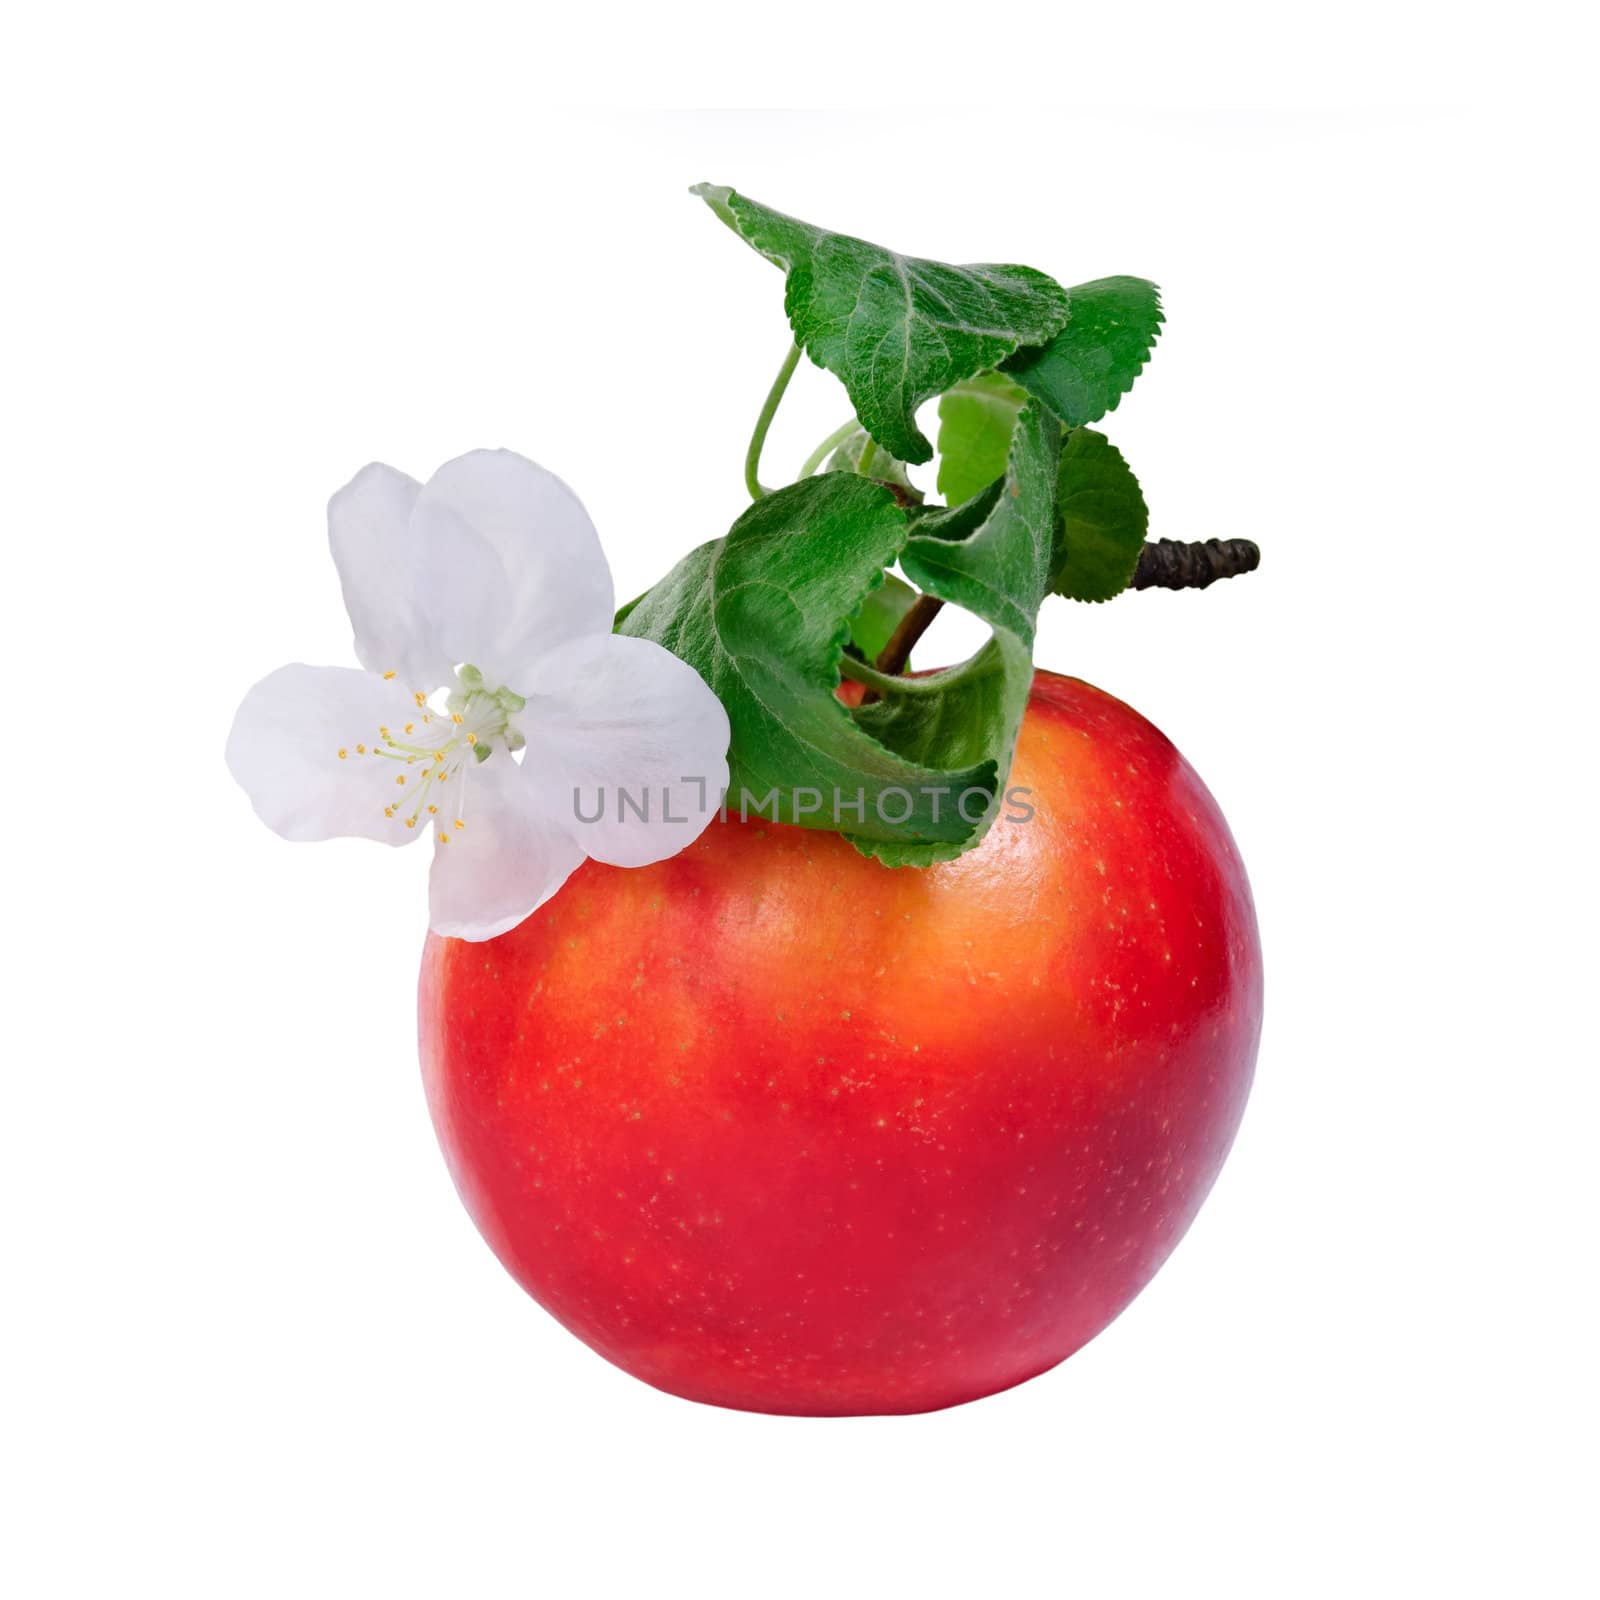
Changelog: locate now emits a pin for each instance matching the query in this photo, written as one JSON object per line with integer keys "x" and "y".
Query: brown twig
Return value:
{"x": 1171, "y": 564}
{"x": 894, "y": 655}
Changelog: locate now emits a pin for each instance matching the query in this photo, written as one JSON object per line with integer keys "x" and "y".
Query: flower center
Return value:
{"x": 435, "y": 747}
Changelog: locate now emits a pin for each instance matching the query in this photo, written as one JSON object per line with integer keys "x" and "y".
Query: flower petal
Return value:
{"x": 509, "y": 563}
{"x": 296, "y": 748}
{"x": 369, "y": 531}
{"x": 614, "y": 714}
{"x": 506, "y": 861}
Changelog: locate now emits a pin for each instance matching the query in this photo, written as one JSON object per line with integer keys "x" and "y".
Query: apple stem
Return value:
{"x": 894, "y": 655}
{"x": 1163, "y": 564}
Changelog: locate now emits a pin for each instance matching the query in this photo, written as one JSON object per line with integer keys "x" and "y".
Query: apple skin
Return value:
{"x": 774, "y": 1127}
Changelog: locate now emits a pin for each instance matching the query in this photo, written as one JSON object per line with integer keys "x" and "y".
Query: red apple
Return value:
{"x": 772, "y": 1126}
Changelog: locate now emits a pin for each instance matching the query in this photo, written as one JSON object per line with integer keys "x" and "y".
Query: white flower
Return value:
{"x": 482, "y": 607}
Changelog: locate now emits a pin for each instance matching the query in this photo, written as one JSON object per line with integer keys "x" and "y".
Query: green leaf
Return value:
{"x": 1087, "y": 367}
{"x": 975, "y": 423}
{"x": 873, "y": 625}
{"x": 992, "y": 556}
{"x": 968, "y": 713}
{"x": 1102, "y": 519}
{"x": 762, "y": 615}
{"x": 883, "y": 466}
{"x": 896, "y": 330}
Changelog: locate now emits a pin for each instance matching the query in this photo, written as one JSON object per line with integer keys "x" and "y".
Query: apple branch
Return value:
{"x": 1172, "y": 564}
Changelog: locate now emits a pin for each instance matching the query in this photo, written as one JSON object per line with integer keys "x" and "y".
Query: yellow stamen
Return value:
{"x": 455, "y": 716}
{"x": 460, "y": 823}
{"x": 361, "y": 749}
{"x": 411, "y": 822}
{"x": 433, "y": 810}
{"x": 421, "y": 698}
{"x": 410, "y": 726}
{"x": 444, "y": 838}
{"x": 401, "y": 778}
{"x": 472, "y": 738}
{"x": 389, "y": 674}
{"x": 343, "y": 754}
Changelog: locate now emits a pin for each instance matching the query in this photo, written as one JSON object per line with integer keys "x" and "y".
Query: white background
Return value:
{"x": 253, "y": 1346}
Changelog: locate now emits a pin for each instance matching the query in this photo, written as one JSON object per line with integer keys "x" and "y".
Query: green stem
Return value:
{"x": 827, "y": 447}
{"x": 752, "y": 456}
{"x": 865, "y": 672}
{"x": 869, "y": 454}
